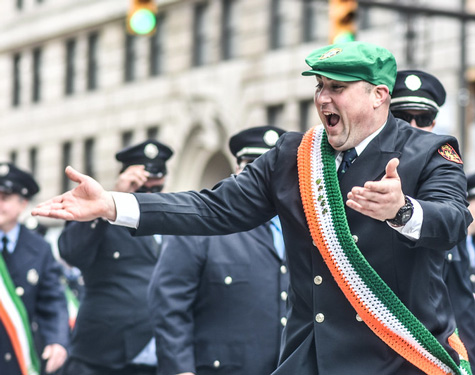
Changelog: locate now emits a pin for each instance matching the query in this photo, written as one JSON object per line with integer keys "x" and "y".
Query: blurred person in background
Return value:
{"x": 471, "y": 228}
{"x": 29, "y": 283}
{"x": 417, "y": 98}
{"x": 218, "y": 303}
{"x": 113, "y": 334}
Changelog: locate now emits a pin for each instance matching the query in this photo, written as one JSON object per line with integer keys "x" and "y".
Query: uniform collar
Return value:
{"x": 12, "y": 236}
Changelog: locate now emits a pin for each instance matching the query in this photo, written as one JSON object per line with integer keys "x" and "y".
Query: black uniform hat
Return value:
{"x": 253, "y": 142}
{"x": 417, "y": 90}
{"x": 152, "y": 154}
{"x": 15, "y": 181}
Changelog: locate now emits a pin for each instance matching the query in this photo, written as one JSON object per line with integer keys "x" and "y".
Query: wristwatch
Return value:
{"x": 403, "y": 215}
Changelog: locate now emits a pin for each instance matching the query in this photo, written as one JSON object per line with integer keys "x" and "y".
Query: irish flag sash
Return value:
{"x": 373, "y": 300}
{"x": 15, "y": 320}
{"x": 73, "y": 306}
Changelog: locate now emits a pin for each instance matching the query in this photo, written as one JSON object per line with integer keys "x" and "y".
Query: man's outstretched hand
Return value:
{"x": 87, "y": 201}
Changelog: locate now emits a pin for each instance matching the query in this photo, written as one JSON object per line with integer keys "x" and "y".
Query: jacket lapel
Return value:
{"x": 263, "y": 235}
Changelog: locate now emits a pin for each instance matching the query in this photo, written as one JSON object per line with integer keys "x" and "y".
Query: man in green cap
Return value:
{"x": 368, "y": 207}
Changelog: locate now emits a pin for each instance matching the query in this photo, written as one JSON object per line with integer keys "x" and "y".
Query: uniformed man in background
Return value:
{"x": 218, "y": 302}
{"x": 113, "y": 334}
{"x": 417, "y": 98}
{"x": 29, "y": 283}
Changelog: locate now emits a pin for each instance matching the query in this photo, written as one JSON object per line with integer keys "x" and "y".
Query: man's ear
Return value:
{"x": 381, "y": 95}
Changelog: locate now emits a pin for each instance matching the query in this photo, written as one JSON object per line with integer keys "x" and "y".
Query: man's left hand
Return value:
{"x": 380, "y": 200}
{"x": 55, "y": 355}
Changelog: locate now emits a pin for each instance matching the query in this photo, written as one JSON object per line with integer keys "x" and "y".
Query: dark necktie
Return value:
{"x": 348, "y": 157}
{"x": 5, "y": 248}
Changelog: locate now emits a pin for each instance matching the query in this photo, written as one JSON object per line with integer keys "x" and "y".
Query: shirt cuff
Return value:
{"x": 127, "y": 208}
{"x": 412, "y": 229}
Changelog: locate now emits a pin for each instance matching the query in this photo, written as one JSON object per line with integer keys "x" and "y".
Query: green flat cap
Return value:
{"x": 354, "y": 61}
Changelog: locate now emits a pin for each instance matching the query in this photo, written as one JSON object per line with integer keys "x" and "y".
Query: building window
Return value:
{"x": 13, "y": 157}
{"x": 127, "y": 138}
{"x": 36, "y": 91}
{"x": 276, "y": 24}
{"x": 33, "y": 161}
{"x": 199, "y": 34}
{"x": 89, "y": 157}
{"x": 228, "y": 29}
{"x": 152, "y": 132}
{"x": 156, "y": 47}
{"x": 16, "y": 80}
{"x": 92, "y": 61}
{"x": 129, "y": 69}
{"x": 66, "y": 160}
{"x": 70, "y": 66}
{"x": 306, "y": 107}
{"x": 309, "y": 21}
{"x": 275, "y": 115}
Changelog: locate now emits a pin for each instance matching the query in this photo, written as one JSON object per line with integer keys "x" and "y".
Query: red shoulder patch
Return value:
{"x": 448, "y": 152}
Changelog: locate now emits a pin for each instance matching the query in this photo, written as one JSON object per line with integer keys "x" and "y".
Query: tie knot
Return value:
{"x": 349, "y": 155}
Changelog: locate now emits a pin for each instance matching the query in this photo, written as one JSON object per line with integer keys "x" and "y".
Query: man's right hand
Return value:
{"x": 131, "y": 179}
{"x": 87, "y": 201}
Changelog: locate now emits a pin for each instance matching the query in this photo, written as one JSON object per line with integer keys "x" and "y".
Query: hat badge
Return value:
{"x": 4, "y": 169}
{"x": 331, "y": 53}
{"x": 413, "y": 82}
{"x": 270, "y": 137}
{"x": 151, "y": 151}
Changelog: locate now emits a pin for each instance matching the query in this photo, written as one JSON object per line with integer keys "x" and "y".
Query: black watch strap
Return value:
{"x": 403, "y": 215}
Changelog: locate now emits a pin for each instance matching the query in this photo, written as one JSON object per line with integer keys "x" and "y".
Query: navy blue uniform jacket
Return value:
{"x": 340, "y": 343}
{"x": 113, "y": 323}
{"x": 36, "y": 275}
{"x": 218, "y": 304}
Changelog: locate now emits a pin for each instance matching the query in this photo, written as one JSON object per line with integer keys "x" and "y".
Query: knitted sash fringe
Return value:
{"x": 373, "y": 300}
{"x": 14, "y": 318}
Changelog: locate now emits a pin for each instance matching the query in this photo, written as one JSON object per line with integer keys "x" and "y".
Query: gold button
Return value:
{"x": 94, "y": 224}
{"x": 283, "y": 295}
{"x": 449, "y": 257}
{"x": 472, "y": 278}
{"x": 314, "y": 244}
{"x": 116, "y": 255}
{"x": 283, "y": 321}
{"x": 283, "y": 269}
{"x": 355, "y": 238}
{"x": 19, "y": 291}
{"x": 358, "y": 318}
{"x": 228, "y": 280}
{"x": 216, "y": 364}
{"x": 317, "y": 280}
{"x": 8, "y": 357}
{"x": 319, "y": 318}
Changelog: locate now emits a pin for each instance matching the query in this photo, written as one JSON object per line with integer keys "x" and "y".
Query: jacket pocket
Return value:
{"x": 219, "y": 356}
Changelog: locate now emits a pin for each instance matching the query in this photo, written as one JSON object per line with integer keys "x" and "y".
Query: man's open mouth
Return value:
{"x": 331, "y": 118}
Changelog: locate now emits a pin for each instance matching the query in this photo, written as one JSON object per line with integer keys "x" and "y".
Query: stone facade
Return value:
{"x": 194, "y": 109}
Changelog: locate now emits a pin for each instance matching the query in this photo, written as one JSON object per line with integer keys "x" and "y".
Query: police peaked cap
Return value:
{"x": 253, "y": 142}
{"x": 417, "y": 90}
{"x": 15, "y": 181}
{"x": 151, "y": 153}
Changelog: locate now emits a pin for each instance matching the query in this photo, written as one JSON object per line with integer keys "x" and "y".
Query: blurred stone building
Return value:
{"x": 76, "y": 87}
